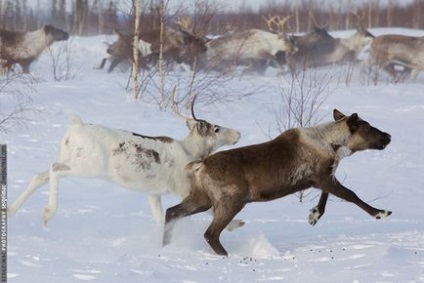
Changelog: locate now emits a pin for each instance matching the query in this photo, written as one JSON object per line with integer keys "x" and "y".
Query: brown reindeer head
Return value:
{"x": 363, "y": 135}
{"x": 193, "y": 45}
{"x": 55, "y": 33}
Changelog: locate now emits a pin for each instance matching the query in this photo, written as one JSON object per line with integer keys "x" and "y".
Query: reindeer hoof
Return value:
{"x": 234, "y": 224}
{"x": 314, "y": 216}
{"x": 47, "y": 214}
{"x": 11, "y": 211}
{"x": 382, "y": 214}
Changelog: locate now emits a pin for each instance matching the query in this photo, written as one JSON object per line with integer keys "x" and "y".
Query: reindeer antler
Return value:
{"x": 192, "y": 108}
{"x": 174, "y": 105}
{"x": 359, "y": 20}
{"x": 177, "y": 112}
{"x": 314, "y": 21}
{"x": 276, "y": 24}
{"x": 185, "y": 23}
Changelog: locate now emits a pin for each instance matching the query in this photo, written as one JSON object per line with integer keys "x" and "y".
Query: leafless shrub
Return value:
{"x": 302, "y": 95}
{"x": 372, "y": 74}
{"x": 61, "y": 58}
{"x": 16, "y": 108}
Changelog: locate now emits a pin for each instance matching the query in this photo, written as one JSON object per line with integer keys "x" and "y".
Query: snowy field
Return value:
{"x": 103, "y": 233}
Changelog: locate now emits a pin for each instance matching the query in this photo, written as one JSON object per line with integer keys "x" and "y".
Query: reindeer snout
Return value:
{"x": 386, "y": 140}
{"x": 237, "y": 137}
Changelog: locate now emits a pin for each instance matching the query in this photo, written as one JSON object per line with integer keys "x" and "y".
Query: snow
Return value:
{"x": 103, "y": 233}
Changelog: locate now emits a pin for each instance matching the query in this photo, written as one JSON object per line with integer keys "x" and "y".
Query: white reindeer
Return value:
{"x": 254, "y": 45}
{"x": 154, "y": 165}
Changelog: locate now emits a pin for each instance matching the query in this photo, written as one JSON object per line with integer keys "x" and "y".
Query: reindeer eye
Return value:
{"x": 217, "y": 129}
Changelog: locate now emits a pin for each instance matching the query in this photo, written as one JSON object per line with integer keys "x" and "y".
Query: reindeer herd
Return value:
{"x": 400, "y": 56}
{"x": 225, "y": 181}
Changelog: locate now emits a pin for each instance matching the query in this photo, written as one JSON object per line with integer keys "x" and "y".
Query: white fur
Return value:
{"x": 341, "y": 153}
{"x": 151, "y": 165}
{"x": 144, "y": 47}
{"x": 249, "y": 44}
{"x": 314, "y": 215}
{"x": 356, "y": 42}
{"x": 33, "y": 44}
{"x": 348, "y": 48}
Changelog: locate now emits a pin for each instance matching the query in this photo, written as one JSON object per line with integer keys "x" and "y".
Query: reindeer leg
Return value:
{"x": 56, "y": 171}
{"x": 156, "y": 207}
{"x": 114, "y": 63}
{"x": 196, "y": 202}
{"x": 36, "y": 182}
{"x": 333, "y": 186}
{"x": 317, "y": 211}
{"x": 224, "y": 212}
{"x": 102, "y": 64}
{"x": 233, "y": 225}
{"x": 25, "y": 65}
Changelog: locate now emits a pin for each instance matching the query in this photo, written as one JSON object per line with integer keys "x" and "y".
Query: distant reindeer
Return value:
{"x": 251, "y": 46}
{"x": 318, "y": 48}
{"x": 122, "y": 50}
{"x": 154, "y": 165}
{"x": 295, "y": 160}
{"x": 306, "y": 44}
{"x": 178, "y": 45}
{"x": 325, "y": 49}
{"x": 23, "y": 47}
{"x": 390, "y": 50}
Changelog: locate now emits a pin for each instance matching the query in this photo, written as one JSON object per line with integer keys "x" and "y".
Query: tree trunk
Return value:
{"x": 136, "y": 5}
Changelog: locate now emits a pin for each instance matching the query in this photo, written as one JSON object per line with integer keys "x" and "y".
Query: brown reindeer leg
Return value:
{"x": 317, "y": 211}
{"x": 25, "y": 65}
{"x": 224, "y": 212}
{"x": 333, "y": 186}
{"x": 102, "y": 64}
{"x": 196, "y": 202}
{"x": 114, "y": 63}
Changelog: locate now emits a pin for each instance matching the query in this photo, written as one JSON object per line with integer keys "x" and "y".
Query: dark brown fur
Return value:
{"x": 178, "y": 46}
{"x": 319, "y": 48}
{"x": 295, "y": 160}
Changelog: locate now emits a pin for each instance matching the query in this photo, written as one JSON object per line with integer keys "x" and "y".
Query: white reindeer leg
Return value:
{"x": 56, "y": 170}
{"x": 156, "y": 208}
{"x": 37, "y": 181}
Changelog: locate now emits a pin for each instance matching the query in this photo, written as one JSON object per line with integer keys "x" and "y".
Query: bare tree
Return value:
{"x": 136, "y": 9}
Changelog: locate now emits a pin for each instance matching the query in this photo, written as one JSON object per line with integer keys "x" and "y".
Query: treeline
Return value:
{"x": 91, "y": 17}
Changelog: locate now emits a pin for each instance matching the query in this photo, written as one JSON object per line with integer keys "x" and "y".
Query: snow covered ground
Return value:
{"x": 103, "y": 233}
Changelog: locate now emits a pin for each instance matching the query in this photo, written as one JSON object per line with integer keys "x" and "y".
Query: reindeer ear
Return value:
{"x": 353, "y": 121}
{"x": 190, "y": 124}
{"x": 337, "y": 115}
{"x": 202, "y": 127}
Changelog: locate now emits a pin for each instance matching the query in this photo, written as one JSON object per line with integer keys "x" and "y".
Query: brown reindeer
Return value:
{"x": 319, "y": 48}
{"x": 295, "y": 160}
{"x": 390, "y": 50}
{"x": 122, "y": 50}
{"x": 23, "y": 47}
{"x": 306, "y": 44}
{"x": 178, "y": 45}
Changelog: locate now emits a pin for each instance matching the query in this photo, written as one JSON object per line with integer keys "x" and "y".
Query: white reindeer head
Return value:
{"x": 205, "y": 137}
